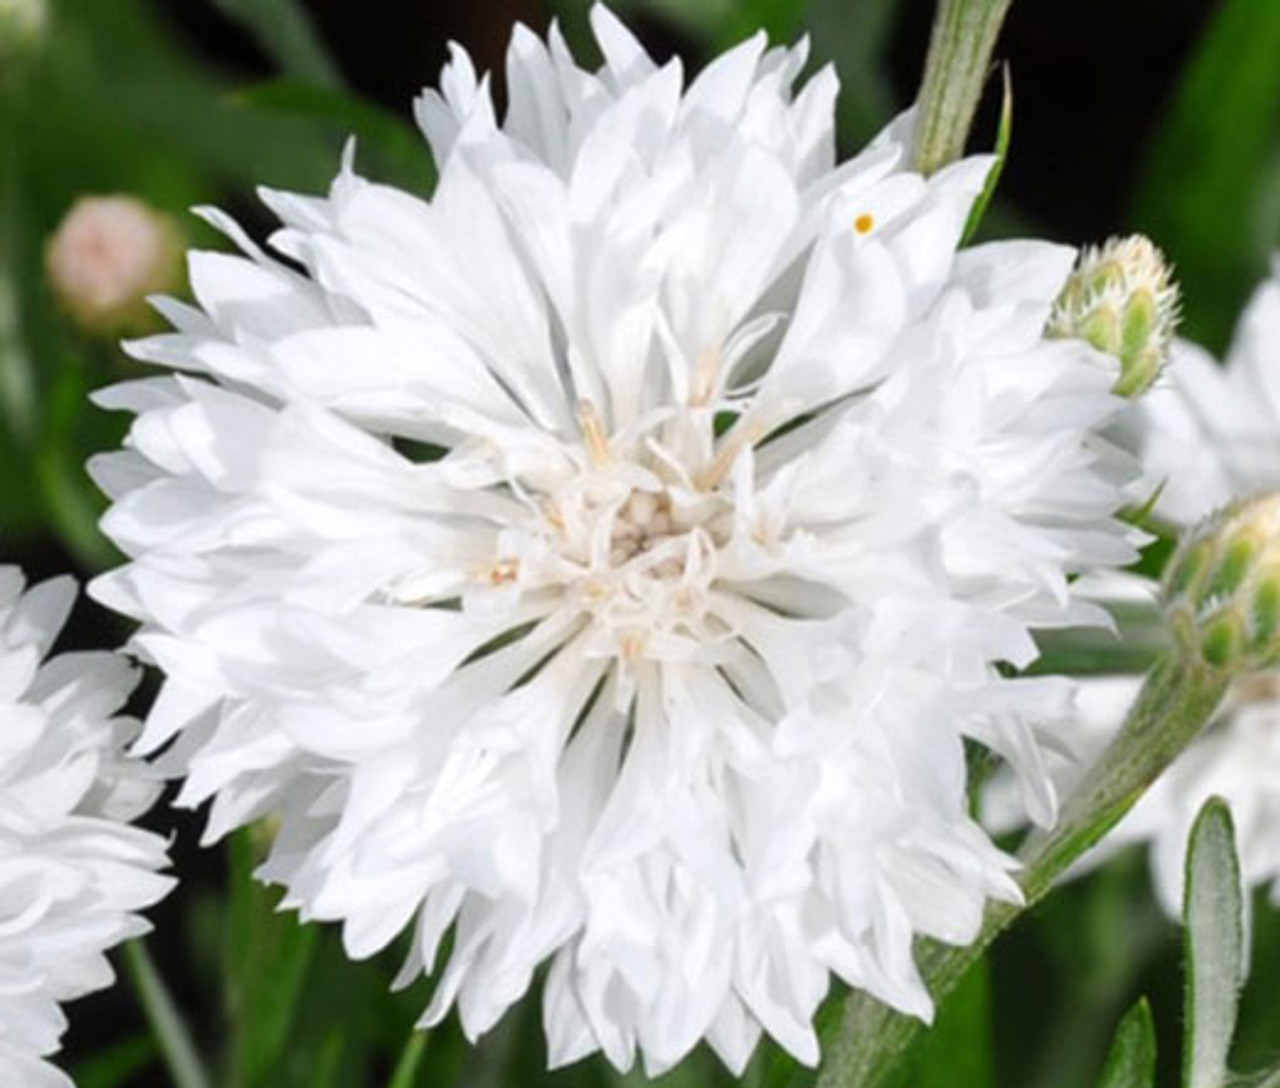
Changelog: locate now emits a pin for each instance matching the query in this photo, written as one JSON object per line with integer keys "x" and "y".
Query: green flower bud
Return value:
{"x": 1122, "y": 300}
{"x": 1222, "y": 588}
{"x": 107, "y": 255}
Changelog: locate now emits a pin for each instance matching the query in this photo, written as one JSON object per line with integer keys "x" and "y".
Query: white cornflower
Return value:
{"x": 1209, "y": 433}
{"x": 606, "y": 559}
{"x": 74, "y": 871}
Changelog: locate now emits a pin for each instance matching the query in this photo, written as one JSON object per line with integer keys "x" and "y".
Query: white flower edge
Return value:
{"x": 75, "y": 871}
{"x": 1210, "y": 432}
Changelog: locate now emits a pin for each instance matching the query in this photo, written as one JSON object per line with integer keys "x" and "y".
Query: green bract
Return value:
{"x": 1222, "y": 588}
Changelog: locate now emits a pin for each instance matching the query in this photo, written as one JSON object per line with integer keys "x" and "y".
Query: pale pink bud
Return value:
{"x": 107, "y": 255}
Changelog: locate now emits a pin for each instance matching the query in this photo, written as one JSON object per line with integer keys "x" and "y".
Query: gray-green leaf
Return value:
{"x": 1213, "y": 914}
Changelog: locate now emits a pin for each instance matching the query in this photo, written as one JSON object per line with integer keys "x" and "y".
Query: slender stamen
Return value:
{"x": 704, "y": 377}
{"x": 747, "y": 432}
{"x": 593, "y": 433}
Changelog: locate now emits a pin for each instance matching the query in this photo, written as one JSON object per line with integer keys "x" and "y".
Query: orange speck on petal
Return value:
{"x": 864, "y": 223}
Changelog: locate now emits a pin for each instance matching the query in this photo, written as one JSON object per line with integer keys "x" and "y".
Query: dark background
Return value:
{"x": 1091, "y": 77}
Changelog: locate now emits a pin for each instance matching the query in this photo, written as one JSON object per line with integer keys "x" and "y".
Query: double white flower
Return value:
{"x": 609, "y": 557}
{"x": 72, "y": 872}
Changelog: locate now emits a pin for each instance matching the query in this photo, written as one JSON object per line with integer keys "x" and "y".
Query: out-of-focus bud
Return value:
{"x": 107, "y": 255}
{"x": 1121, "y": 298}
{"x": 22, "y": 26}
{"x": 1222, "y": 588}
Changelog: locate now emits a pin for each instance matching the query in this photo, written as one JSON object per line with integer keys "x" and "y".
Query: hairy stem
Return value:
{"x": 959, "y": 60}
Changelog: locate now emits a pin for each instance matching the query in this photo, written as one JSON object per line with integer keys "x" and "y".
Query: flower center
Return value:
{"x": 628, "y": 538}
{"x": 635, "y": 552}
{"x": 643, "y": 522}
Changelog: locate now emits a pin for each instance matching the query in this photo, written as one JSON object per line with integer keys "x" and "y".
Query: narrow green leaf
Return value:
{"x": 1131, "y": 1062}
{"x": 1004, "y": 133}
{"x": 17, "y": 387}
{"x": 398, "y": 145}
{"x": 1213, "y": 914}
{"x": 855, "y": 38}
{"x": 268, "y": 959}
{"x": 79, "y": 138}
{"x": 71, "y": 499}
{"x": 780, "y": 19}
{"x": 117, "y": 1065}
{"x": 406, "y": 1073}
{"x": 721, "y": 23}
{"x": 167, "y": 1024}
{"x": 1204, "y": 184}
{"x": 17, "y": 378}
{"x": 328, "y": 1064}
{"x": 284, "y": 30}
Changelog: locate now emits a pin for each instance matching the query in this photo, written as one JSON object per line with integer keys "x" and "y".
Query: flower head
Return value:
{"x": 107, "y": 256}
{"x": 75, "y": 872}
{"x": 1222, "y": 588}
{"x": 1121, "y": 298}
{"x": 607, "y": 558}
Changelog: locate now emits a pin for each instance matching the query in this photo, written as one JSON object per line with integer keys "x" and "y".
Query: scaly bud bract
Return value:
{"x": 1222, "y": 587}
{"x": 1121, "y": 298}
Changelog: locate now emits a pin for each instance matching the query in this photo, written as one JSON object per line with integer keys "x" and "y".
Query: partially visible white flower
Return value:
{"x": 606, "y": 559}
{"x": 1212, "y": 434}
{"x": 1209, "y": 434}
{"x": 74, "y": 872}
{"x": 107, "y": 256}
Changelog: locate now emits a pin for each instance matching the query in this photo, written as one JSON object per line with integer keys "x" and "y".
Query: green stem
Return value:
{"x": 180, "y": 1056}
{"x": 1174, "y": 704}
{"x": 410, "y": 1059}
{"x": 959, "y": 60}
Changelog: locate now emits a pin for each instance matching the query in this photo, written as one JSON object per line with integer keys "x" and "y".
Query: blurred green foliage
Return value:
{"x": 112, "y": 100}
{"x": 1211, "y": 182}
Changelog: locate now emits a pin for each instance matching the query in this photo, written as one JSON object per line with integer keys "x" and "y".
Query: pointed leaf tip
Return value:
{"x": 1131, "y": 1061}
